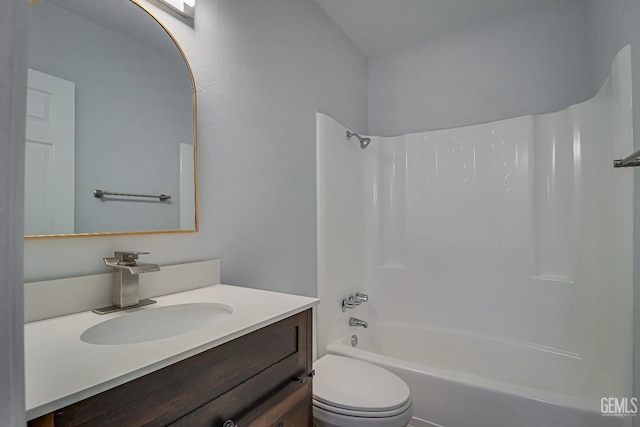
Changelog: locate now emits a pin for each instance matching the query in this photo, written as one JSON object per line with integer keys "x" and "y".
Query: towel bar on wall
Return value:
{"x": 632, "y": 160}
{"x": 101, "y": 193}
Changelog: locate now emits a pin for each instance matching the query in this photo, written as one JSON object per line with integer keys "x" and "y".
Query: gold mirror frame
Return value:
{"x": 195, "y": 153}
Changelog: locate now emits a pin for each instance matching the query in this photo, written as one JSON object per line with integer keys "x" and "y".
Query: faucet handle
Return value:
{"x": 352, "y": 299}
{"x": 346, "y": 303}
{"x": 128, "y": 257}
{"x": 361, "y": 297}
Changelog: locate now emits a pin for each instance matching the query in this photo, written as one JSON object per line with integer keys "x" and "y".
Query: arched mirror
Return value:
{"x": 111, "y": 123}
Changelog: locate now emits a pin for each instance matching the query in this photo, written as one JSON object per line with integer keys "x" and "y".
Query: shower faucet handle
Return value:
{"x": 361, "y": 297}
{"x": 353, "y": 300}
{"x": 348, "y": 303}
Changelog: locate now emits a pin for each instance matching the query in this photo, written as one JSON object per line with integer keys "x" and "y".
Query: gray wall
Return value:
{"x": 13, "y": 68}
{"x": 262, "y": 70}
{"x": 133, "y": 109}
{"x": 536, "y": 61}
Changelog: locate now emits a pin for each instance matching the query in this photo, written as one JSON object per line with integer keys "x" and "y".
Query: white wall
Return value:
{"x": 262, "y": 70}
{"x": 133, "y": 109}
{"x": 535, "y": 61}
{"x": 13, "y": 80}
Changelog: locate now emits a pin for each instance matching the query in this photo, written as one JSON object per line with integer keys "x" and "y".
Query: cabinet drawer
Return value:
{"x": 262, "y": 400}
{"x": 290, "y": 408}
{"x": 162, "y": 397}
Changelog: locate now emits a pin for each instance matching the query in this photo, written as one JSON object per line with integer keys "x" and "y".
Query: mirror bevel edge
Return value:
{"x": 195, "y": 157}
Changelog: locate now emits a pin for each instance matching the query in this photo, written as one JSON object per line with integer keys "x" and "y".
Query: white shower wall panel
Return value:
{"x": 340, "y": 186}
{"x": 471, "y": 237}
{"x": 467, "y": 213}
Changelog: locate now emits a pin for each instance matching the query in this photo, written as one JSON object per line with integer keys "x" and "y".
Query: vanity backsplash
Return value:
{"x": 54, "y": 298}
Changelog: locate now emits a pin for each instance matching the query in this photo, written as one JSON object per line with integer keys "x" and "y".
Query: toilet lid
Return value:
{"x": 352, "y": 384}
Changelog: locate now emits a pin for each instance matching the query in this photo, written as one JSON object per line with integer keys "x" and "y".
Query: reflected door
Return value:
{"x": 50, "y": 155}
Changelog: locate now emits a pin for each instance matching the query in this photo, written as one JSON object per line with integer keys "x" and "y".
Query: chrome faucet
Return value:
{"x": 357, "y": 322}
{"x": 354, "y": 300}
{"x": 125, "y": 280}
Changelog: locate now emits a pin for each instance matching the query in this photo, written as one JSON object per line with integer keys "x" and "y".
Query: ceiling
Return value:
{"x": 381, "y": 26}
{"x": 375, "y": 26}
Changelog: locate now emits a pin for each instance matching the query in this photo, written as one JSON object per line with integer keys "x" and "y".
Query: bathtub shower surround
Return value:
{"x": 498, "y": 259}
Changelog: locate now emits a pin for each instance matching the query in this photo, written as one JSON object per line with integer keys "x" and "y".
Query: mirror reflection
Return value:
{"x": 111, "y": 107}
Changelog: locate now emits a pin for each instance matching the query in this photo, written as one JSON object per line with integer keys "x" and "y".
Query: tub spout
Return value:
{"x": 357, "y": 322}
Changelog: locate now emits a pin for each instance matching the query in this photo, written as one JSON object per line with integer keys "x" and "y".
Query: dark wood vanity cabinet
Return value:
{"x": 260, "y": 379}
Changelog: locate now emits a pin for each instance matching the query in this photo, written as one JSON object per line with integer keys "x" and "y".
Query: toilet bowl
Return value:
{"x": 353, "y": 393}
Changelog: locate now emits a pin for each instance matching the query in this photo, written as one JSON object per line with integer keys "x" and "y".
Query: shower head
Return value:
{"x": 364, "y": 142}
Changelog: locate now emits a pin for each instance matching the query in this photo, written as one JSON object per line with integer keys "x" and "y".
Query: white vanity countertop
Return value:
{"x": 61, "y": 369}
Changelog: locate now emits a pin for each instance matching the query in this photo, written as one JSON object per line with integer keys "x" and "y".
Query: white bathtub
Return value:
{"x": 461, "y": 379}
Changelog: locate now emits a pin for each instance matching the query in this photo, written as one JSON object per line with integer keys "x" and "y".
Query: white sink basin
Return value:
{"x": 152, "y": 324}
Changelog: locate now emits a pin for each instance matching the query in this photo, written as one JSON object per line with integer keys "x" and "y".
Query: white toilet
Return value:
{"x": 353, "y": 393}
